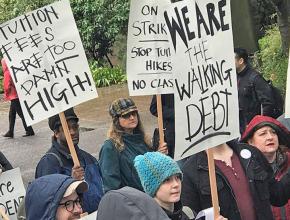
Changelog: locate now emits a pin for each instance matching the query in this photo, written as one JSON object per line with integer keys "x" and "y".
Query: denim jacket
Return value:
{"x": 58, "y": 161}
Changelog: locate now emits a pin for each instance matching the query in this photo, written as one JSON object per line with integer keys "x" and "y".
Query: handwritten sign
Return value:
{"x": 287, "y": 98}
{"x": 12, "y": 192}
{"x": 149, "y": 66}
{"x": 206, "y": 100}
{"x": 92, "y": 216}
{"x": 47, "y": 61}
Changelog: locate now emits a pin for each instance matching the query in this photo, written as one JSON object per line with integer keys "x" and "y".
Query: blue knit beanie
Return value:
{"x": 153, "y": 168}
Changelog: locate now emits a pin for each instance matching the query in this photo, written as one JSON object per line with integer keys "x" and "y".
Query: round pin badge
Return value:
{"x": 246, "y": 154}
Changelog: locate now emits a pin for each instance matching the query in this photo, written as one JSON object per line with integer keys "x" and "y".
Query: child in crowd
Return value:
{"x": 161, "y": 178}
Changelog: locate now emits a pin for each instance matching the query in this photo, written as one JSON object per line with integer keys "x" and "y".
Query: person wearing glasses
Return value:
{"x": 55, "y": 196}
{"x": 58, "y": 160}
{"x": 126, "y": 140}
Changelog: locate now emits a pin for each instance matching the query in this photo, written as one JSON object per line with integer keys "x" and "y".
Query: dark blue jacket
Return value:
{"x": 44, "y": 195}
{"x": 59, "y": 161}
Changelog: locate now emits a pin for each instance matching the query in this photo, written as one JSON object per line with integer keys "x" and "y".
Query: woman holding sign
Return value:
{"x": 126, "y": 140}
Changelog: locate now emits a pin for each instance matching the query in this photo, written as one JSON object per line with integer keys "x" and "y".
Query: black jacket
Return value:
{"x": 253, "y": 91}
{"x": 4, "y": 163}
{"x": 178, "y": 214}
{"x": 168, "y": 119}
{"x": 264, "y": 188}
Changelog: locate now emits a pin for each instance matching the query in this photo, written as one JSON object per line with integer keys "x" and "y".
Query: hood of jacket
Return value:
{"x": 129, "y": 204}
{"x": 43, "y": 196}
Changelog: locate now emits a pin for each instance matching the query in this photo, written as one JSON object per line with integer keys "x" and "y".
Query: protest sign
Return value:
{"x": 47, "y": 61}
{"x": 149, "y": 67}
{"x": 12, "y": 192}
{"x": 206, "y": 213}
{"x": 287, "y": 97}
{"x": 92, "y": 216}
{"x": 206, "y": 100}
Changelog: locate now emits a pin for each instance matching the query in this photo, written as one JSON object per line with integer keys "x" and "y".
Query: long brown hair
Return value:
{"x": 115, "y": 133}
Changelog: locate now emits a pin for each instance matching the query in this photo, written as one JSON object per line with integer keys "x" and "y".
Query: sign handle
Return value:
{"x": 3, "y": 215}
{"x": 160, "y": 119}
{"x": 212, "y": 180}
{"x": 68, "y": 139}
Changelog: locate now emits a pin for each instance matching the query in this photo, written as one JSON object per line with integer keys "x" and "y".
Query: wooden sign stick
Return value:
{"x": 160, "y": 119}
{"x": 3, "y": 215}
{"x": 68, "y": 139}
{"x": 212, "y": 180}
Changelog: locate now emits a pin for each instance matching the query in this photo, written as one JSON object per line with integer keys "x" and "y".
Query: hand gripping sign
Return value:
{"x": 47, "y": 62}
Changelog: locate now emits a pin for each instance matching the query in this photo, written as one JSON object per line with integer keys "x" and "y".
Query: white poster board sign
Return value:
{"x": 207, "y": 213}
{"x": 12, "y": 192}
{"x": 206, "y": 99}
{"x": 92, "y": 216}
{"x": 287, "y": 97}
{"x": 149, "y": 67}
{"x": 47, "y": 62}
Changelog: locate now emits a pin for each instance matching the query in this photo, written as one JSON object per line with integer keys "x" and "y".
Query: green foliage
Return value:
{"x": 99, "y": 21}
{"x": 106, "y": 76}
{"x": 12, "y": 8}
{"x": 273, "y": 63}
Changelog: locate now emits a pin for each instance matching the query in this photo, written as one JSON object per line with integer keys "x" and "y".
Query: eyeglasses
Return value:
{"x": 128, "y": 115}
{"x": 70, "y": 204}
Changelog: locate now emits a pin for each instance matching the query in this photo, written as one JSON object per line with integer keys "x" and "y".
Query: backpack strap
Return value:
{"x": 57, "y": 157}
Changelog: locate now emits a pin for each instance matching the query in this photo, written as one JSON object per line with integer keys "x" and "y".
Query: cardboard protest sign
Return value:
{"x": 206, "y": 100}
{"x": 149, "y": 67}
{"x": 12, "y": 192}
{"x": 287, "y": 97}
{"x": 47, "y": 61}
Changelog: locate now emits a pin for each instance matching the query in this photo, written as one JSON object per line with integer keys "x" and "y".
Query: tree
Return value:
{"x": 12, "y": 8}
{"x": 99, "y": 21}
{"x": 283, "y": 13}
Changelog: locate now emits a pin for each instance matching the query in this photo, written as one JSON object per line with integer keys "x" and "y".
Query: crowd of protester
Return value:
{"x": 134, "y": 179}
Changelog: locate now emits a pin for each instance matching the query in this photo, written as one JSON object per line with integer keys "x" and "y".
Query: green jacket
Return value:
{"x": 117, "y": 167}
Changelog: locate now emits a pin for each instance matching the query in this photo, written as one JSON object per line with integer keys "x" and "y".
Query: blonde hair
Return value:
{"x": 115, "y": 133}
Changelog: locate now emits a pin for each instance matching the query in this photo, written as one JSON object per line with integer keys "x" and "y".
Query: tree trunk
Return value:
{"x": 283, "y": 12}
{"x": 111, "y": 65}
